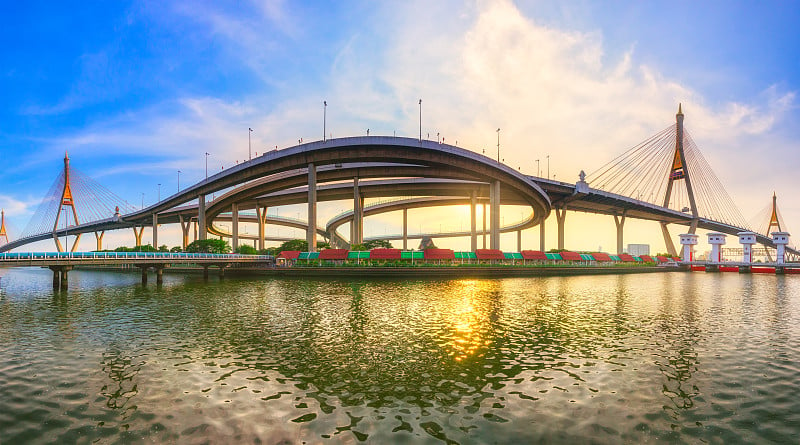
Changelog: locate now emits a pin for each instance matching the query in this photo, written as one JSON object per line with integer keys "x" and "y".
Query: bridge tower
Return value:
{"x": 3, "y": 232}
{"x": 774, "y": 221}
{"x": 67, "y": 200}
{"x": 679, "y": 172}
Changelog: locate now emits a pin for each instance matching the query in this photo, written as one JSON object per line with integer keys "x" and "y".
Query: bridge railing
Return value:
{"x": 161, "y": 256}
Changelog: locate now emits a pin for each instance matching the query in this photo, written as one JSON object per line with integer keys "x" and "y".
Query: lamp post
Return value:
{"x": 206, "y": 166}
{"x": 548, "y": 166}
{"x": 249, "y": 146}
{"x": 420, "y": 120}
{"x": 498, "y": 145}
{"x": 537, "y": 168}
{"x": 179, "y": 180}
{"x": 324, "y": 120}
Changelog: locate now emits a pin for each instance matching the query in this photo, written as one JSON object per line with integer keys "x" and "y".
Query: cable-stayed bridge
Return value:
{"x": 665, "y": 179}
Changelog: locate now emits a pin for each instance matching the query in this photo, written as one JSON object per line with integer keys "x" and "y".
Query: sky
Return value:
{"x": 137, "y": 91}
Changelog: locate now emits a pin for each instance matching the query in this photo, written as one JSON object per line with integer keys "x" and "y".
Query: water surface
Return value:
{"x": 664, "y": 358}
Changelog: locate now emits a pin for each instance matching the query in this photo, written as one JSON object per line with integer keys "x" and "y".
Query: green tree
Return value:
{"x": 163, "y": 248}
{"x": 246, "y": 249}
{"x": 176, "y": 249}
{"x": 209, "y": 246}
{"x": 378, "y": 244}
{"x": 295, "y": 244}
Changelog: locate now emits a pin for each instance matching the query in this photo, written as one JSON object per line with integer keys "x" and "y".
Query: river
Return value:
{"x": 664, "y": 357}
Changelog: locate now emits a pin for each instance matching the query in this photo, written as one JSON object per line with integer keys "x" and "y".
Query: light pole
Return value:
{"x": 206, "y": 166}
{"x": 498, "y": 145}
{"x": 249, "y": 146}
{"x": 548, "y": 166}
{"x": 420, "y": 120}
{"x": 179, "y": 180}
{"x": 537, "y": 168}
{"x": 324, "y": 120}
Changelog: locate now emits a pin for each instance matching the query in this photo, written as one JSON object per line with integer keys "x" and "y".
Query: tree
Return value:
{"x": 377, "y": 244}
{"x": 209, "y": 246}
{"x": 295, "y": 244}
{"x": 163, "y": 248}
{"x": 176, "y": 249}
{"x": 246, "y": 249}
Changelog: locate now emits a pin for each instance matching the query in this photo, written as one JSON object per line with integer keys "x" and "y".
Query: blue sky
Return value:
{"x": 139, "y": 90}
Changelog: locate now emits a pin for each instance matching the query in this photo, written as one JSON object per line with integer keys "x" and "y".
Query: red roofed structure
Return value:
{"x": 600, "y": 256}
{"x": 647, "y": 258}
{"x": 533, "y": 255}
{"x": 333, "y": 254}
{"x": 571, "y": 256}
{"x": 662, "y": 259}
{"x": 625, "y": 258}
{"x": 489, "y": 254}
{"x": 439, "y": 254}
{"x": 289, "y": 254}
{"x": 384, "y": 254}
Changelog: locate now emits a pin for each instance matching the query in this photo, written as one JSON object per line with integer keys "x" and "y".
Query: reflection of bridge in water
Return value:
{"x": 663, "y": 179}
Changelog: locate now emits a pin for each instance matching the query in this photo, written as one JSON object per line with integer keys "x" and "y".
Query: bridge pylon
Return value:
{"x": 679, "y": 171}
{"x": 67, "y": 200}
{"x": 3, "y": 231}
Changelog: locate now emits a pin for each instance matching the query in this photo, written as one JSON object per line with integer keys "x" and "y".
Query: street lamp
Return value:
{"x": 537, "y": 168}
{"x": 498, "y": 145}
{"x": 206, "y": 166}
{"x": 249, "y": 146}
{"x": 420, "y": 120}
{"x": 179, "y": 180}
{"x": 324, "y": 119}
{"x": 548, "y": 166}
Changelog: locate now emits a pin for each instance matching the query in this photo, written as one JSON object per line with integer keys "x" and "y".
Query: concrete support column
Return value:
{"x": 234, "y": 226}
{"x": 64, "y": 279}
{"x": 561, "y": 216}
{"x": 473, "y": 232}
{"x": 160, "y": 275}
{"x": 99, "y": 237}
{"x": 494, "y": 203}
{"x": 688, "y": 241}
{"x": 185, "y": 231}
{"x": 405, "y": 229}
{"x": 519, "y": 240}
{"x": 311, "y": 232}
{"x": 541, "y": 236}
{"x": 201, "y": 217}
{"x": 144, "y": 274}
{"x": 484, "y": 225}
{"x": 619, "y": 221}
{"x": 717, "y": 240}
{"x": 261, "y": 214}
{"x": 781, "y": 239}
{"x": 358, "y": 215}
{"x": 155, "y": 230}
{"x": 195, "y": 230}
{"x": 56, "y": 277}
{"x": 205, "y": 272}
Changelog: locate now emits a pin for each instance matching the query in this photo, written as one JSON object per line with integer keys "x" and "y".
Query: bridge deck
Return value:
{"x": 44, "y": 259}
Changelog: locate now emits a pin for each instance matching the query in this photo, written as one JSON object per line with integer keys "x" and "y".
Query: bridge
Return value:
{"x": 663, "y": 179}
{"x": 63, "y": 262}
